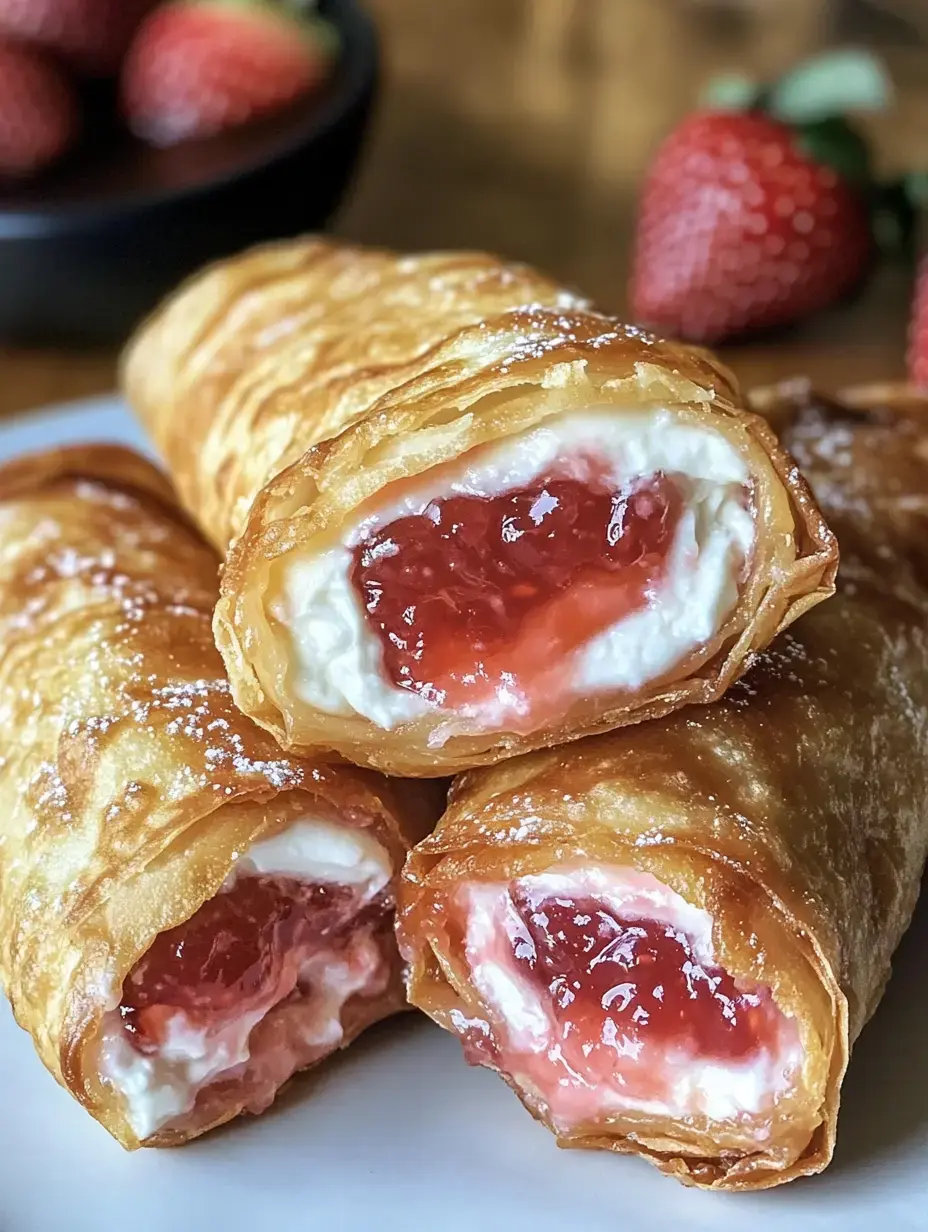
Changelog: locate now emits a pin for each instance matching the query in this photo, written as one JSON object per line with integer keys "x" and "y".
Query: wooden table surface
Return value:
{"x": 523, "y": 126}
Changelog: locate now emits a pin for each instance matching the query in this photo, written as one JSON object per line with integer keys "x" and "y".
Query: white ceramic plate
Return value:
{"x": 399, "y": 1135}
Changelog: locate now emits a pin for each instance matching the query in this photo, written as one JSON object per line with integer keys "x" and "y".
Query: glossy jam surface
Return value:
{"x": 224, "y": 960}
{"x": 475, "y": 595}
{"x": 618, "y": 986}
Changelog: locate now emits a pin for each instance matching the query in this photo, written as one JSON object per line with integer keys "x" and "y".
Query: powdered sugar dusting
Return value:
{"x": 111, "y": 608}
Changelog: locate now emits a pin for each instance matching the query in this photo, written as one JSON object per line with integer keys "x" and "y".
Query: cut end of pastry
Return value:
{"x": 284, "y": 965}
{"x": 584, "y": 562}
{"x": 597, "y": 993}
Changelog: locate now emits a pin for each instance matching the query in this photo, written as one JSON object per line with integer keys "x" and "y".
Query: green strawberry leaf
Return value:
{"x": 731, "y": 92}
{"x": 304, "y": 12}
{"x": 835, "y": 143}
{"x": 893, "y": 216}
{"x": 837, "y": 81}
{"x": 299, "y": 8}
{"x": 915, "y": 185}
{"x": 324, "y": 34}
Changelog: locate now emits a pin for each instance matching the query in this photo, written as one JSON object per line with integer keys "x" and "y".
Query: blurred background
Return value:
{"x": 526, "y": 127}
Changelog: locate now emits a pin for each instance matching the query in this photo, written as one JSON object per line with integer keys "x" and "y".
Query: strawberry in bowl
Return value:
{"x": 89, "y": 36}
{"x": 38, "y": 111}
{"x": 197, "y": 67}
{"x": 195, "y": 148}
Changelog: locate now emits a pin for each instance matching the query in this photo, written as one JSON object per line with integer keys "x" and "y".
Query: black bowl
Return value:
{"x": 89, "y": 247}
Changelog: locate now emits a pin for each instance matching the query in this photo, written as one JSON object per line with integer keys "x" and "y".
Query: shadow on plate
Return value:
{"x": 886, "y": 1091}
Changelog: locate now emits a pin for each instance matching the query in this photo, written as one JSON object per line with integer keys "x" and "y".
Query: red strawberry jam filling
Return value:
{"x": 243, "y": 951}
{"x": 476, "y": 597}
{"x": 592, "y": 1010}
{"x": 617, "y": 985}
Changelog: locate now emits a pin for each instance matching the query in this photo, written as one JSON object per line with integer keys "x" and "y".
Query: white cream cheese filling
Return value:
{"x": 162, "y": 1086}
{"x": 337, "y": 661}
{"x": 528, "y": 1037}
{"x": 314, "y": 850}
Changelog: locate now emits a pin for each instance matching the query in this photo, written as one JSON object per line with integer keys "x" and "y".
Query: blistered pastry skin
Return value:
{"x": 129, "y": 783}
{"x": 292, "y": 389}
{"x": 793, "y": 811}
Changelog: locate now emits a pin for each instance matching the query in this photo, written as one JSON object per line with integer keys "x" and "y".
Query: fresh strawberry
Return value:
{"x": 739, "y": 230}
{"x": 38, "y": 111}
{"x": 90, "y": 34}
{"x": 197, "y": 67}
{"x": 918, "y": 329}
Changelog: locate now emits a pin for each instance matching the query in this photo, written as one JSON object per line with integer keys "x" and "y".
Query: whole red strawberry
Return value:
{"x": 197, "y": 67}
{"x": 91, "y": 34}
{"x": 740, "y": 229}
{"x": 918, "y": 329}
{"x": 38, "y": 111}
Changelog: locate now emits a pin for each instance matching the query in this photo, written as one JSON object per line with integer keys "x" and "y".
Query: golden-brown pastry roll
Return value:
{"x": 463, "y": 515}
{"x": 187, "y": 916}
{"x": 666, "y": 939}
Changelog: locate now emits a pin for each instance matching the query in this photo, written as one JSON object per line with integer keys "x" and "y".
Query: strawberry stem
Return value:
{"x": 300, "y": 10}
{"x": 813, "y": 92}
{"x": 303, "y": 13}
